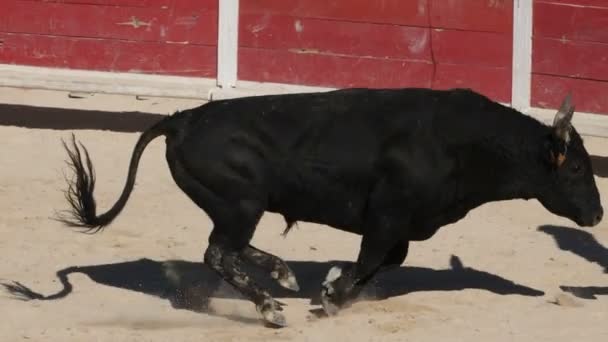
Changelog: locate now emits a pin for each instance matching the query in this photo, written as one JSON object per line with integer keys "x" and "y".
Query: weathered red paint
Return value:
{"x": 331, "y": 70}
{"x": 494, "y": 82}
{"x": 571, "y": 20}
{"x": 587, "y": 3}
{"x": 472, "y": 15}
{"x": 570, "y": 53}
{"x": 576, "y": 59}
{"x": 123, "y": 3}
{"x": 399, "y": 12}
{"x": 587, "y": 95}
{"x": 193, "y": 22}
{"x": 378, "y": 43}
{"x": 334, "y": 37}
{"x": 176, "y": 37}
{"x": 472, "y": 48}
{"x": 108, "y": 55}
{"x": 84, "y": 20}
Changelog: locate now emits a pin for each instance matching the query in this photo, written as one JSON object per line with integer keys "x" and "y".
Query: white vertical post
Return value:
{"x": 227, "y": 43}
{"x": 522, "y": 54}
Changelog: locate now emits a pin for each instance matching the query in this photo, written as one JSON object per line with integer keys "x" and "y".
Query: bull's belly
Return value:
{"x": 339, "y": 212}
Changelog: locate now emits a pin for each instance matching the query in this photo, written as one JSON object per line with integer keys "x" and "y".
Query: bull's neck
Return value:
{"x": 516, "y": 173}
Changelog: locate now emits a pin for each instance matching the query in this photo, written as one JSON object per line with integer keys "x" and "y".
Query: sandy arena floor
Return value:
{"x": 494, "y": 276}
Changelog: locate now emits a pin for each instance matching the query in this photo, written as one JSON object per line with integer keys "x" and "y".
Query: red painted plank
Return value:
{"x": 492, "y": 82}
{"x": 588, "y": 3}
{"x": 474, "y": 15}
{"x": 331, "y": 71}
{"x": 334, "y": 37}
{"x": 122, "y": 3}
{"x": 85, "y": 20}
{"x": 587, "y": 95}
{"x": 563, "y": 21}
{"x": 474, "y": 48}
{"x": 193, "y": 21}
{"x": 184, "y": 23}
{"x": 373, "y": 11}
{"x": 108, "y": 55}
{"x": 569, "y": 58}
{"x": 5, "y": 7}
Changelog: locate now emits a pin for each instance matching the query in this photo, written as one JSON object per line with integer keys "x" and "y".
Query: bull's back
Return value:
{"x": 315, "y": 155}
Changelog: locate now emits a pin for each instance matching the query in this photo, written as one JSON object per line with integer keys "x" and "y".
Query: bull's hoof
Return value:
{"x": 273, "y": 319}
{"x": 286, "y": 278}
{"x": 289, "y": 283}
{"x": 329, "y": 294}
{"x": 329, "y": 307}
{"x": 269, "y": 310}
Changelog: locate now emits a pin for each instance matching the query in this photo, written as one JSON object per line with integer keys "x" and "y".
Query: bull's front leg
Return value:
{"x": 343, "y": 285}
{"x": 383, "y": 244}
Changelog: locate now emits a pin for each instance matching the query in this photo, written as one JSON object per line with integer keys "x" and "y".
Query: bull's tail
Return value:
{"x": 79, "y": 194}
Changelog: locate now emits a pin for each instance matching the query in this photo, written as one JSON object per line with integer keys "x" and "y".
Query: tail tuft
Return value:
{"x": 82, "y": 212}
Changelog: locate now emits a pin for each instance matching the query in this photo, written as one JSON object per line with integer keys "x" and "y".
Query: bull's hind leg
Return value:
{"x": 276, "y": 266}
{"x": 226, "y": 262}
{"x": 234, "y": 224}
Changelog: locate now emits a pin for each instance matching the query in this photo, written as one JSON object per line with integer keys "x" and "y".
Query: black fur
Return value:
{"x": 80, "y": 191}
{"x": 79, "y": 194}
{"x": 393, "y": 165}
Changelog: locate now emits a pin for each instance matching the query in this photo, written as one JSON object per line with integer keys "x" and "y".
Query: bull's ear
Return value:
{"x": 562, "y": 123}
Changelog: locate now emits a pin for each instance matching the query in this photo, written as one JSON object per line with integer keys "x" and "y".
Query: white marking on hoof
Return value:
{"x": 290, "y": 283}
{"x": 330, "y": 308}
{"x": 270, "y": 314}
{"x": 333, "y": 274}
{"x": 275, "y": 319}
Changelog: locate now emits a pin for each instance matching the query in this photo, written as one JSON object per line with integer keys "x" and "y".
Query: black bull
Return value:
{"x": 393, "y": 165}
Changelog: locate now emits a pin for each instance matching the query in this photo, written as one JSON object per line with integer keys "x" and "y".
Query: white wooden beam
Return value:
{"x": 251, "y": 88}
{"x": 522, "y": 54}
{"x": 21, "y": 76}
{"x": 227, "y": 43}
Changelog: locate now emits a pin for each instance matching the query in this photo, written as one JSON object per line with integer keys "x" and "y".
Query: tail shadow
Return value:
{"x": 584, "y": 245}
{"x": 190, "y": 285}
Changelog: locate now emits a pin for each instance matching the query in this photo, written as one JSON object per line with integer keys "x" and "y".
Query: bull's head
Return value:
{"x": 571, "y": 191}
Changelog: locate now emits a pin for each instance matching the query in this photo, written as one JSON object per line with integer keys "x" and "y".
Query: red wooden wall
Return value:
{"x": 173, "y": 37}
{"x": 570, "y": 53}
{"x": 379, "y": 43}
{"x": 334, "y": 43}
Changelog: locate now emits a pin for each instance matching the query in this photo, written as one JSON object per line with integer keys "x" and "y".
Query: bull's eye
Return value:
{"x": 576, "y": 168}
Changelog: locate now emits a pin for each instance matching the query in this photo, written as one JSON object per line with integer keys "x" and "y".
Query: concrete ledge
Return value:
{"x": 203, "y": 89}
{"x": 249, "y": 88}
{"x": 585, "y": 123}
{"x": 85, "y": 81}
{"x": 34, "y": 97}
{"x": 105, "y": 82}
